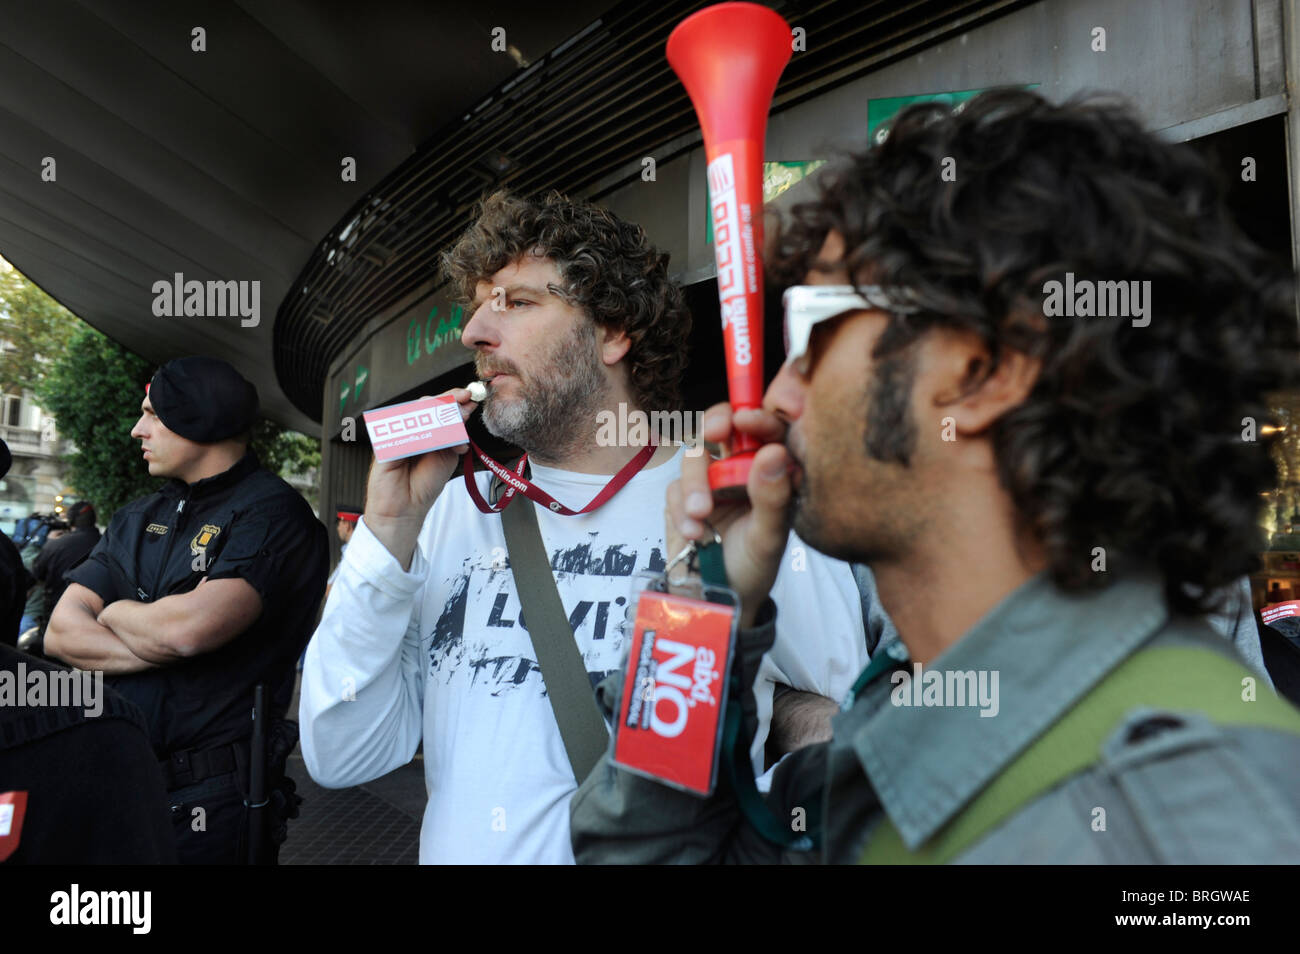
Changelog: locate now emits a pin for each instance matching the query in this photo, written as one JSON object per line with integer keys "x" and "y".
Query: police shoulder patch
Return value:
{"x": 203, "y": 538}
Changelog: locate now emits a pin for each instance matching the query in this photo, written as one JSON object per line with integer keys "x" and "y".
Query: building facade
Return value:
{"x": 1211, "y": 73}
{"x": 35, "y": 478}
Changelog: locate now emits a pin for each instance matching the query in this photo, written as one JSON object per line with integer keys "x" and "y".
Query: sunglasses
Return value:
{"x": 806, "y": 305}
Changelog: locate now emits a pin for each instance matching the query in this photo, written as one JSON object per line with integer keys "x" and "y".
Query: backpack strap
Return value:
{"x": 1167, "y": 677}
{"x": 568, "y": 687}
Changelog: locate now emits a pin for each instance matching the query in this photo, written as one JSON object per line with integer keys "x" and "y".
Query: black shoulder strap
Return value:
{"x": 572, "y": 699}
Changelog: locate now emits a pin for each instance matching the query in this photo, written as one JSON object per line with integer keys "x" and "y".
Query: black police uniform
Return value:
{"x": 244, "y": 523}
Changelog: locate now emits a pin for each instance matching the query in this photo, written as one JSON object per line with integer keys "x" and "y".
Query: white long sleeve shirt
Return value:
{"x": 439, "y": 653}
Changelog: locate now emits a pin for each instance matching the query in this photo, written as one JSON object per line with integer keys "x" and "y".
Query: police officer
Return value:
{"x": 347, "y": 523}
{"x": 196, "y": 594}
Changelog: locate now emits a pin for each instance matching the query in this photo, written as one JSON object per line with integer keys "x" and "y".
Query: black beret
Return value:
{"x": 203, "y": 399}
{"x": 5, "y": 458}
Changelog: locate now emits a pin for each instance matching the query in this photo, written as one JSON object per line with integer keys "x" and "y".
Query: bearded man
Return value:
{"x": 572, "y": 314}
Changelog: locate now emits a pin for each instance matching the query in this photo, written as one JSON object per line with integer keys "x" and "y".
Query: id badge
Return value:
{"x": 670, "y": 718}
{"x": 13, "y": 806}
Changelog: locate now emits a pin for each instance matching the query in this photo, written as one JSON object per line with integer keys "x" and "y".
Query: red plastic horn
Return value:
{"x": 729, "y": 57}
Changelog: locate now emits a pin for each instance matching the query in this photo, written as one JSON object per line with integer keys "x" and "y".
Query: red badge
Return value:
{"x": 1279, "y": 611}
{"x": 13, "y": 806}
{"x": 670, "y": 718}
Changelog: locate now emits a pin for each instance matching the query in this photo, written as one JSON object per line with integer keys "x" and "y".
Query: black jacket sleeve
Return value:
{"x": 100, "y": 571}
{"x": 269, "y": 546}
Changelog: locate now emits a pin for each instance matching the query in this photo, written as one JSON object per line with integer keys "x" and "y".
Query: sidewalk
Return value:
{"x": 377, "y": 823}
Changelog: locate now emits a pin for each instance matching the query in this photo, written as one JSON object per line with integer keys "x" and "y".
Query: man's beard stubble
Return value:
{"x": 823, "y": 511}
{"x": 554, "y": 412}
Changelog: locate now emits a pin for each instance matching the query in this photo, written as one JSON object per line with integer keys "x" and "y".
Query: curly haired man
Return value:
{"x": 572, "y": 314}
{"x": 1045, "y": 500}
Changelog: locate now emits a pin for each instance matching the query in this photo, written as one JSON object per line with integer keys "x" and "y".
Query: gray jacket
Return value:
{"x": 1176, "y": 787}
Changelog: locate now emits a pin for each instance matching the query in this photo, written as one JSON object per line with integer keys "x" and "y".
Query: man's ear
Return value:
{"x": 614, "y": 344}
{"x": 970, "y": 393}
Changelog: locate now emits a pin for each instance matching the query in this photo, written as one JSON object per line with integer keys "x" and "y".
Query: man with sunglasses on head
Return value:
{"x": 1045, "y": 498}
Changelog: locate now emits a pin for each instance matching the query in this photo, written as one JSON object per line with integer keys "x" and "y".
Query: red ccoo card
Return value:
{"x": 415, "y": 427}
{"x": 670, "y": 718}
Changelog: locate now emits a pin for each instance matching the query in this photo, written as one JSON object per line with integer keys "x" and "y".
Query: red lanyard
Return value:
{"x": 517, "y": 481}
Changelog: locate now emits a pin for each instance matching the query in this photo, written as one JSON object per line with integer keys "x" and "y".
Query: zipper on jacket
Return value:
{"x": 167, "y": 551}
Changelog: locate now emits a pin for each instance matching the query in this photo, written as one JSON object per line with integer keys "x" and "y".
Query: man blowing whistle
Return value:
{"x": 1049, "y": 505}
{"x": 423, "y": 638}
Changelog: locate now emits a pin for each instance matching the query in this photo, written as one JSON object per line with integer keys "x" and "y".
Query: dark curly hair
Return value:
{"x": 609, "y": 269}
{"x": 1132, "y": 438}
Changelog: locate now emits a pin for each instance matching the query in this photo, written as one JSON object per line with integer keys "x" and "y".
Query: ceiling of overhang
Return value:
{"x": 598, "y": 103}
{"x": 224, "y": 164}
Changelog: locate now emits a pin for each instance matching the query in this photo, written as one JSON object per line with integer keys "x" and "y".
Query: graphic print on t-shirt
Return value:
{"x": 480, "y": 638}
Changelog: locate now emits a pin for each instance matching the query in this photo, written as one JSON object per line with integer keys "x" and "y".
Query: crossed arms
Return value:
{"x": 128, "y": 636}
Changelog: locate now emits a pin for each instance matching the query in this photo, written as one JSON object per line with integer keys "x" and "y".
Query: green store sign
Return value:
{"x": 881, "y": 111}
{"x": 408, "y": 351}
{"x": 422, "y": 341}
{"x": 352, "y": 389}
